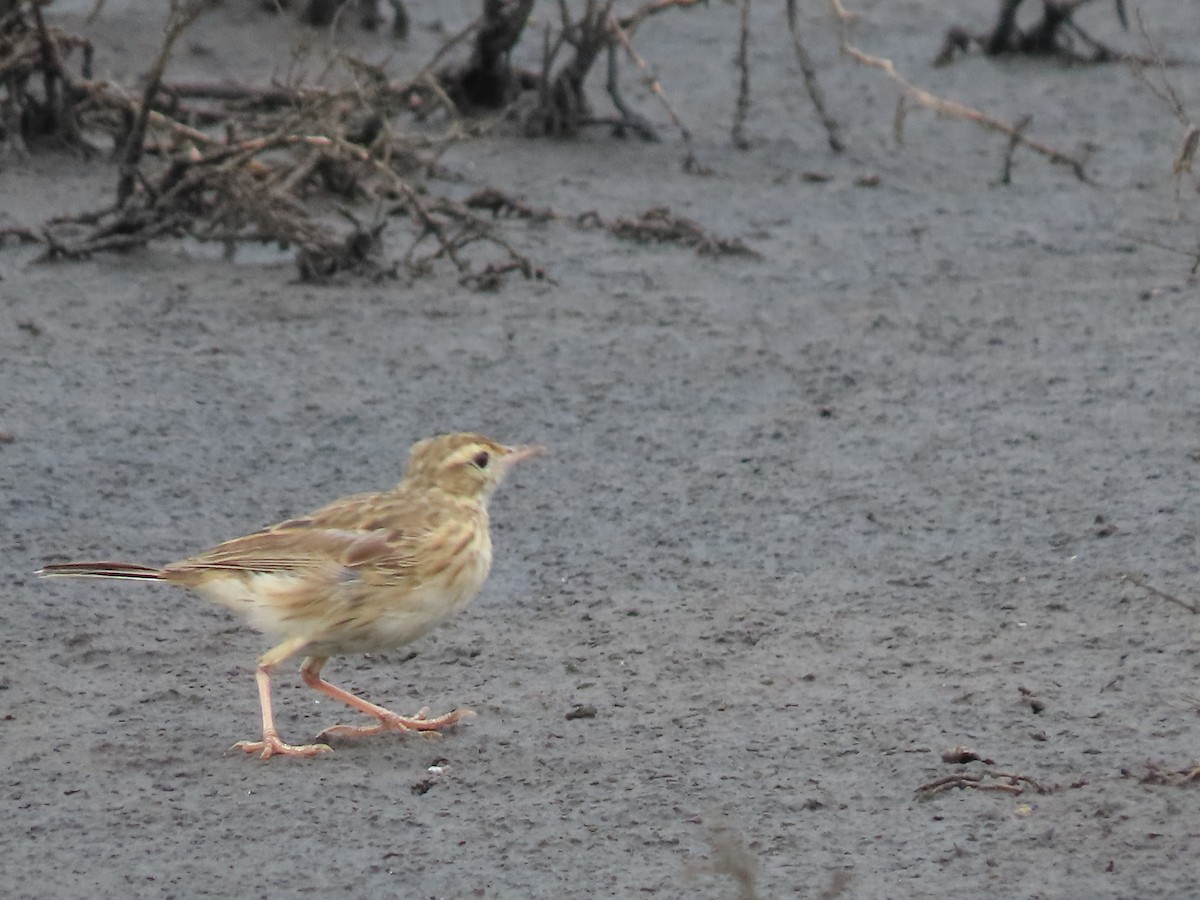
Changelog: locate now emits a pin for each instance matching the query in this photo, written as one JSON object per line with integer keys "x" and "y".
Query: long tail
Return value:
{"x": 101, "y": 570}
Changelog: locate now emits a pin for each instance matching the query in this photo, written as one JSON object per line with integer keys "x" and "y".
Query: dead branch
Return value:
{"x": 738, "y": 134}
{"x": 1157, "y": 775}
{"x": 815, "y": 94}
{"x": 1192, "y": 253}
{"x": 952, "y": 109}
{"x": 660, "y": 225}
{"x": 988, "y": 780}
{"x": 627, "y": 119}
{"x": 1170, "y": 598}
{"x": 657, "y": 225}
{"x": 631, "y": 22}
{"x": 1014, "y": 141}
{"x": 622, "y": 35}
{"x": 250, "y": 97}
{"x": 562, "y": 108}
{"x": 454, "y": 227}
{"x": 559, "y": 106}
{"x": 182, "y": 14}
{"x": 488, "y": 81}
{"x": 500, "y": 204}
{"x": 841, "y": 14}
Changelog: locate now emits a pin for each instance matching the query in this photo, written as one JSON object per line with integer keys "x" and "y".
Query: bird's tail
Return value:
{"x": 101, "y": 570}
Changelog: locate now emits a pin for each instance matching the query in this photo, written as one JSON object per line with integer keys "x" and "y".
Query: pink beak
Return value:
{"x": 523, "y": 452}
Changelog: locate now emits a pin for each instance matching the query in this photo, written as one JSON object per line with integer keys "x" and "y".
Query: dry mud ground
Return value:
{"x": 808, "y": 521}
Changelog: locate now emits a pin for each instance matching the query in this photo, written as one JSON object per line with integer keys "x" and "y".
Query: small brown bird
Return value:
{"x": 366, "y": 573}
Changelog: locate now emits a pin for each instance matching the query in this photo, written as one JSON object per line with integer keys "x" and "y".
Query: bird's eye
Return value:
{"x": 482, "y": 458}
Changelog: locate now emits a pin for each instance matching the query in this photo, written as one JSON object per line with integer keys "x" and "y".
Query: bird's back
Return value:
{"x": 365, "y": 573}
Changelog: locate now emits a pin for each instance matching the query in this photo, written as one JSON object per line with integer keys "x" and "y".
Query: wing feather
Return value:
{"x": 379, "y": 532}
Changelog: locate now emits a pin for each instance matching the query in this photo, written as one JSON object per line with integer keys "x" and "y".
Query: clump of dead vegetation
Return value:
{"x": 284, "y": 165}
{"x": 294, "y": 165}
{"x": 328, "y": 170}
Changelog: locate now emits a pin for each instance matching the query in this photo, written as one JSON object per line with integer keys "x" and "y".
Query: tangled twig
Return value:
{"x": 660, "y": 225}
{"x": 988, "y": 780}
{"x": 657, "y": 225}
{"x": 951, "y": 109}
{"x": 832, "y": 131}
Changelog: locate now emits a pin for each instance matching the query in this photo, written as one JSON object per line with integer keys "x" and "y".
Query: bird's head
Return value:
{"x": 464, "y": 465}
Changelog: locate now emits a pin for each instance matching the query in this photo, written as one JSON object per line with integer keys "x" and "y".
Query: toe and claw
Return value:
{"x": 420, "y": 723}
{"x": 271, "y": 745}
{"x": 310, "y": 671}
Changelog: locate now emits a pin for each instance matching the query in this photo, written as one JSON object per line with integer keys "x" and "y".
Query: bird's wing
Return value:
{"x": 370, "y": 531}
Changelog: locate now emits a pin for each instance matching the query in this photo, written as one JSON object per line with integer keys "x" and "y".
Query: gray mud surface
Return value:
{"x": 808, "y": 522}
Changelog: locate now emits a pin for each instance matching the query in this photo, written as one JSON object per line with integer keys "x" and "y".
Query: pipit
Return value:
{"x": 366, "y": 573}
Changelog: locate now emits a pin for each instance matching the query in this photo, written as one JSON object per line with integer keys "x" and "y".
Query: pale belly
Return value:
{"x": 344, "y": 616}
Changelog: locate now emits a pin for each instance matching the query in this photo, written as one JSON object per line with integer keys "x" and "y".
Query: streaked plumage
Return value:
{"x": 366, "y": 573}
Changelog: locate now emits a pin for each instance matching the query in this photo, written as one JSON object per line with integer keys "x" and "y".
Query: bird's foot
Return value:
{"x": 271, "y": 745}
{"x": 421, "y": 723}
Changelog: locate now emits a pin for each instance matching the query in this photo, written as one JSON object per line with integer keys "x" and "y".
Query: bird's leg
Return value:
{"x": 270, "y": 745}
{"x": 310, "y": 671}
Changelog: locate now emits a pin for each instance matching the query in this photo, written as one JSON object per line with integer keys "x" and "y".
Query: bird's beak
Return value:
{"x": 523, "y": 452}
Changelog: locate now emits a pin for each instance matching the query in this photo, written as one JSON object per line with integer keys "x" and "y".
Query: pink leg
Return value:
{"x": 310, "y": 671}
{"x": 271, "y": 745}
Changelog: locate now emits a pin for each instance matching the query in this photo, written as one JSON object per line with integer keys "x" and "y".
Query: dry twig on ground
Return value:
{"x": 1165, "y": 777}
{"x": 988, "y": 780}
{"x": 832, "y": 131}
{"x": 657, "y": 225}
{"x": 660, "y": 225}
{"x": 1170, "y": 598}
{"x": 911, "y": 95}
